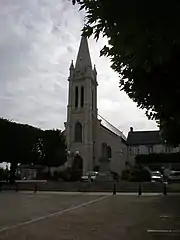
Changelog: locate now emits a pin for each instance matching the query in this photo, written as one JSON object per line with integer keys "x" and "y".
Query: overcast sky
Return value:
{"x": 39, "y": 38}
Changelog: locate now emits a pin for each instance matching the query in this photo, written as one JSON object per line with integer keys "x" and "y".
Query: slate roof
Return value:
{"x": 144, "y": 138}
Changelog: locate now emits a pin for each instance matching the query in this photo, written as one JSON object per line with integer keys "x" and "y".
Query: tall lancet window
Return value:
{"x": 78, "y": 132}
{"x": 76, "y": 97}
{"x": 92, "y": 100}
{"x": 82, "y": 96}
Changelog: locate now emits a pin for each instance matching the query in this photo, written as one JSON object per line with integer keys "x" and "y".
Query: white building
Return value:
{"x": 146, "y": 142}
{"x": 85, "y": 133}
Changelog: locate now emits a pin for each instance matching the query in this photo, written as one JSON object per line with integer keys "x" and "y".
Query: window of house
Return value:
{"x": 167, "y": 149}
{"x": 150, "y": 149}
{"x": 76, "y": 97}
{"x": 78, "y": 132}
{"x": 82, "y": 96}
{"x": 134, "y": 150}
{"x": 137, "y": 150}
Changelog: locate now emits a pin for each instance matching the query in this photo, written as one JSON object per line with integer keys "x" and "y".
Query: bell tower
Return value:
{"x": 82, "y": 107}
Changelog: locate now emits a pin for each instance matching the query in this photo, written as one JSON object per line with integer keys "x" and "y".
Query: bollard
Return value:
{"x": 164, "y": 189}
{"x": 139, "y": 190}
{"x": 114, "y": 189}
{"x": 35, "y": 188}
{"x": 17, "y": 189}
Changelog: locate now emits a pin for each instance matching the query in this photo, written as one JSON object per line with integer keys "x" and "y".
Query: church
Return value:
{"x": 87, "y": 134}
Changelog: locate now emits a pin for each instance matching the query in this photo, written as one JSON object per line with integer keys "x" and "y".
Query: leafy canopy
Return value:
{"x": 25, "y": 144}
{"x": 144, "y": 47}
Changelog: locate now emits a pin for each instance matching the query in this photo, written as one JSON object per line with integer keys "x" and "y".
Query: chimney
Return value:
{"x": 131, "y": 129}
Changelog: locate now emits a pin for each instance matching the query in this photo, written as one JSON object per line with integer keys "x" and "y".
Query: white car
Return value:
{"x": 89, "y": 176}
{"x": 156, "y": 176}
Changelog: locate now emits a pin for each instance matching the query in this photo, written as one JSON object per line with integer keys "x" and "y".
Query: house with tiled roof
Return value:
{"x": 146, "y": 142}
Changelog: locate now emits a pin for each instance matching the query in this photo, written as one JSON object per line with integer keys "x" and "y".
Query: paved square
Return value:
{"x": 87, "y": 216}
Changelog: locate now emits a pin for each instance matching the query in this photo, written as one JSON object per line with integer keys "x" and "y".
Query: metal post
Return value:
{"x": 164, "y": 189}
{"x": 139, "y": 190}
{"x": 114, "y": 189}
{"x": 17, "y": 189}
{"x": 35, "y": 188}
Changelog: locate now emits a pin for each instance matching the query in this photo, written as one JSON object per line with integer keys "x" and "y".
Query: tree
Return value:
{"x": 54, "y": 148}
{"x": 144, "y": 47}
{"x": 17, "y": 144}
{"x": 25, "y": 144}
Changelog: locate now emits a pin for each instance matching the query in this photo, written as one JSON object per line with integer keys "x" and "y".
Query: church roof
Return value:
{"x": 144, "y": 138}
{"x": 83, "y": 58}
{"x": 111, "y": 128}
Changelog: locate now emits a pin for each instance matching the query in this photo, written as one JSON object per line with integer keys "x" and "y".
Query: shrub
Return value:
{"x": 65, "y": 174}
{"x": 140, "y": 175}
{"x": 96, "y": 168}
{"x": 156, "y": 158}
{"x": 3, "y": 174}
{"x": 125, "y": 175}
{"x": 55, "y": 175}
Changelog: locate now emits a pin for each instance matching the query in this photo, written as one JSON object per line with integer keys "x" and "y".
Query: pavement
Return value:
{"x": 42, "y": 215}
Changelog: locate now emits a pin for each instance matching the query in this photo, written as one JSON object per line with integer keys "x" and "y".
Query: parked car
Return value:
{"x": 174, "y": 176}
{"x": 89, "y": 176}
{"x": 156, "y": 176}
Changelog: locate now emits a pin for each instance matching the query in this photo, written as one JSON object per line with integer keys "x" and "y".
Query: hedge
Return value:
{"x": 158, "y": 158}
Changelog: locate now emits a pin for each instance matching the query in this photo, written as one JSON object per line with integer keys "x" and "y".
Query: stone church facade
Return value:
{"x": 85, "y": 133}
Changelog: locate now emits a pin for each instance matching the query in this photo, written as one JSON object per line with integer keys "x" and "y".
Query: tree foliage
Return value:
{"x": 144, "y": 48}
{"x": 25, "y": 144}
{"x": 54, "y": 148}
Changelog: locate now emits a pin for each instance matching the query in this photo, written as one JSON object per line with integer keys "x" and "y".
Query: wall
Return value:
{"x": 118, "y": 148}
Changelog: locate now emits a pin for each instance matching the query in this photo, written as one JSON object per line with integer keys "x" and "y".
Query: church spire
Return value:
{"x": 83, "y": 58}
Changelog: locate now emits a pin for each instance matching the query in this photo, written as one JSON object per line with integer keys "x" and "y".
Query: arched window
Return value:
{"x": 92, "y": 100}
{"x": 78, "y": 132}
{"x": 82, "y": 96}
{"x": 109, "y": 152}
{"x": 76, "y": 97}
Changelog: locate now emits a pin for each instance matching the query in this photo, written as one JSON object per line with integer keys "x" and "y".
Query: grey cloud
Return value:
{"x": 38, "y": 41}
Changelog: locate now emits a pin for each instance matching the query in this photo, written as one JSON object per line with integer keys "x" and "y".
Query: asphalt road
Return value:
{"x": 88, "y": 216}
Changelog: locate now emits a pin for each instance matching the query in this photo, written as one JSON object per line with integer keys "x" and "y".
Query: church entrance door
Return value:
{"x": 78, "y": 166}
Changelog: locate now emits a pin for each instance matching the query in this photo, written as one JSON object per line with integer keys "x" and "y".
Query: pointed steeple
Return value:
{"x": 83, "y": 58}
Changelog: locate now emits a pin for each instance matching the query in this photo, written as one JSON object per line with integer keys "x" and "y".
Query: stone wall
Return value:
{"x": 118, "y": 148}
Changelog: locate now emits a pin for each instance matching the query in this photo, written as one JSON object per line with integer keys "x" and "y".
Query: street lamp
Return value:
{"x": 77, "y": 152}
{"x": 71, "y": 156}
